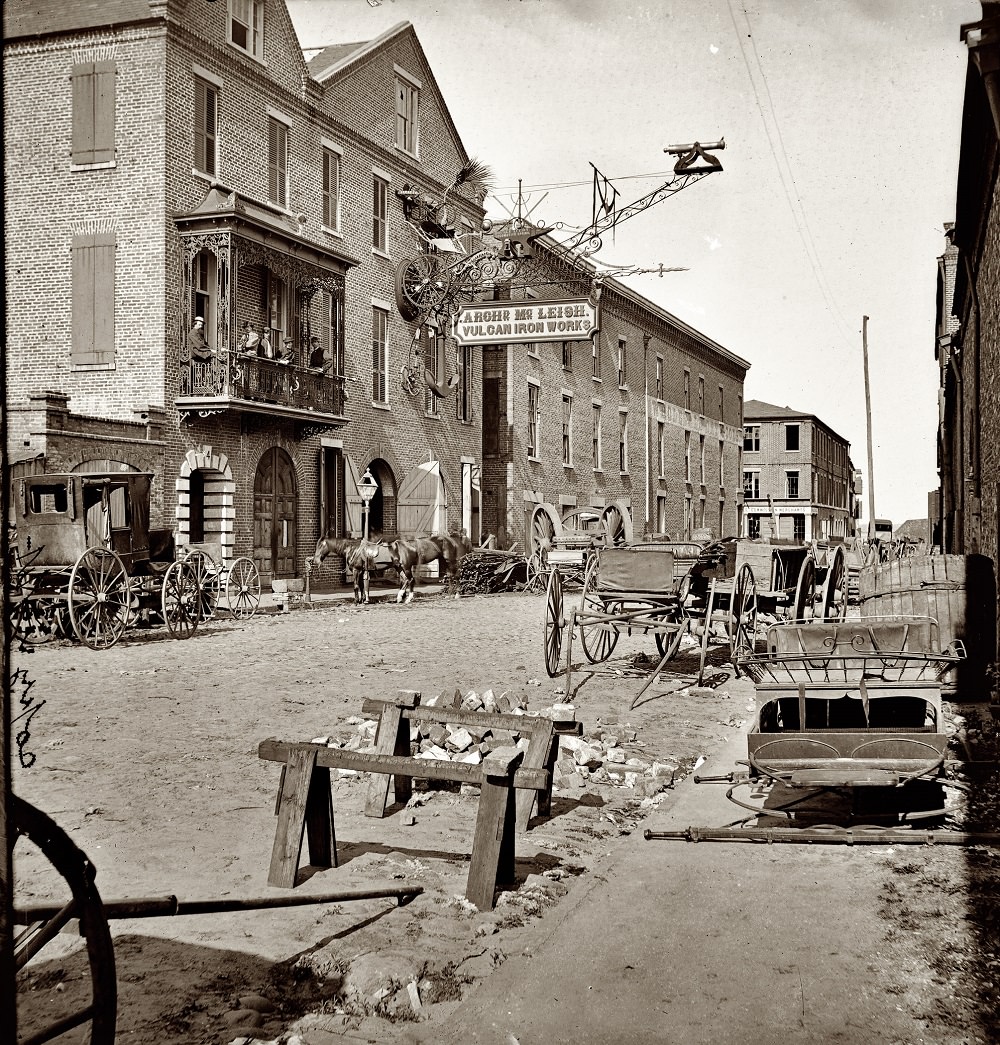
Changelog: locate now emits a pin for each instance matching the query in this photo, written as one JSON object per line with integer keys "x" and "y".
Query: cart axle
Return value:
{"x": 840, "y": 836}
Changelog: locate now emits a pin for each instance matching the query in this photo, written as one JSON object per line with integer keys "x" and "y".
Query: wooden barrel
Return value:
{"x": 958, "y": 591}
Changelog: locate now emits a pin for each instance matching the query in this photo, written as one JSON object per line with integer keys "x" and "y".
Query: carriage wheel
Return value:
{"x": 206, "y": 575}
{"x": 804, "y": 606}
{"x": 545, "y": 528}
{"x": 834, "y": 600}
{"x": 534, "y": 571}
{"x": 242, "y": 589}
{"x": 99, "y": 598}
{"x": 555, "y": 622}
{"x": 181, "y": 600}
{"x": 100, "y": 1009}
{"x": 598, "y": 639}
{"x": 419, "y": 286}
{"x": 617, "y": 524}
{"x": 37, "y": 618}
{"x": 743, "y": 633}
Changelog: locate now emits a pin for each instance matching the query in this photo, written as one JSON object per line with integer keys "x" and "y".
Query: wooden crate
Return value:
{"x": 958, "y": 591}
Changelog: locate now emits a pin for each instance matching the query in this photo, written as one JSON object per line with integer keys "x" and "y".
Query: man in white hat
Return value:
{"x": 201, "y": 350}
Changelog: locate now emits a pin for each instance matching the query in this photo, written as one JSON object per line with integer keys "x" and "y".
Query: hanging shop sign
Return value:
{"x": 498, "y": 322}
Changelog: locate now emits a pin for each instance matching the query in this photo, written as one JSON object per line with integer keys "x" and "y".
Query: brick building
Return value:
{"x": 798, "y": 480}
{"x": 638, "y": 428}
{"x": 947, "y": 501}
{"x": 170, "y": 161}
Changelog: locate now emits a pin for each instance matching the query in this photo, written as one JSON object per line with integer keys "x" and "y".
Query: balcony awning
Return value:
{"x": 265, "y": 227}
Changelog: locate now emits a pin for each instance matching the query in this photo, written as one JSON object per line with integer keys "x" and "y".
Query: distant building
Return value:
{"x": 798, "y": 480}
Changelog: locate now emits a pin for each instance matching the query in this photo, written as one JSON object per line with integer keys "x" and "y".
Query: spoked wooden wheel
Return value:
{"x": 37, "y": 618}
{"x": 804, "y": 606}
{"x": 743, "y": 632}
{"x": 535, "y": 571}
{"x": 834, "y": 600}
{"x": 555, "y": 622}
{"x": 598, "y": 638}
{"x": 545, "y": 528}
{"x": 38, "y": 838}
{"x": 181, "y": 600}
{"x": 617, "y": 525}
{"x": 99, "y": 597}
{"x": 242, "y": 588}
{"x": 206, "y": 574}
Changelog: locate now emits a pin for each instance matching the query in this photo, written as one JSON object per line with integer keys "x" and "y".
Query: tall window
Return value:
{"x": 722, "y": 464}
{"x": 332, "y": 331}
{"x": 567, "y": 429}
{"x": 596, "y": 448}
{"x": 792, "y": 484}
{"x": 203, "y": 269}
{"x": 597, "y": 356}
{"x": 791, "y": 437}
{"x": 660, "y": 427}
{"x": 379, "y": 211}
{"x": 206, "y": 107}
{"x": 94, "y": 299}
{"x": 623, "y": 441}
{"x": 380, "y": 355}
{"x": 687, "y": 456}
{"x": 277, "y": 161}
{"x": 277, "y": 311}
{"x": 751, "y": 438}
{"x": 687, "y": 389}
{"x": 407, "y": 111}
{"x": 753, "y": 526}
{"x": 701, "y": 395}
{"x": 434, "y": 361}
{"x": 622, "y": 362}
{"x": 331, "y": 189}
{"x": 567, "y": 355}
{"x": 93, "y": 113}
{"x": 799, "y": 527}
{"x": 701, "y": 459}
{"x": 246, "y": 26}
{"x": 464, "y": 398}
{"x": 751, "y": 484}
{"x": 659, "y": 377}
{"x": 532, "y": 419}
{"x": 722, "y": 403}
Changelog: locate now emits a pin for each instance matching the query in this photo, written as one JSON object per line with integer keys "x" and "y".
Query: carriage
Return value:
{"x": 86, "y": 563}
{"x": 564, "y": 540}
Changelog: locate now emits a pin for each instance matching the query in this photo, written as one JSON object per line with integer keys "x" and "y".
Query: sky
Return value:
{"x": 842, "y": 121}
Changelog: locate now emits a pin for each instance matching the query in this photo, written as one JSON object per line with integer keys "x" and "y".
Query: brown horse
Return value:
{"x": 410, "y": 552}
{"x": 359, "y": 557}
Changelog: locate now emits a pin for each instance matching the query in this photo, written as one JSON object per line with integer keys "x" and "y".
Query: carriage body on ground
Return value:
{"x": 850, "y": 703}
{"x": 87, "y": 564}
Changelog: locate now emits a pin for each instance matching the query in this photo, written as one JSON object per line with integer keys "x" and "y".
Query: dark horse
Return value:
{"x": 410, "y": 552}
{"x": 359, "y": 558}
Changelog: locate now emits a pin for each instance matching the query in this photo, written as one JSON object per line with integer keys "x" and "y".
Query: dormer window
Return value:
{"x": 407, "y": 112}
{"x": 246, "y": 26}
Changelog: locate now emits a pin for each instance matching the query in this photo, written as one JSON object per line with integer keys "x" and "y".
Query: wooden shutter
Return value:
{"x": 94, "y": 112}
{"x": 277, "y": 160}
{"x": 352, "y": 498}
{"x": 204, "y": 127}
{"x": 94, "y": 299}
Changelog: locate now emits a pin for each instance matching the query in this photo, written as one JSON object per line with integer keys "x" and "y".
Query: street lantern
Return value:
{"x": 367, "y": 487}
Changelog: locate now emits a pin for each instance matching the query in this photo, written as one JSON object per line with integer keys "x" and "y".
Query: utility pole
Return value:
{"x": 868, "y": 412}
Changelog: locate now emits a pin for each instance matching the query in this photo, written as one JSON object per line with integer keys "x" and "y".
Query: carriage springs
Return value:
{"x": 554, "y": 319}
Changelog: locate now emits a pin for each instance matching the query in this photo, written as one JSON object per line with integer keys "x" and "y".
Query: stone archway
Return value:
{"x": 208, "y": 477}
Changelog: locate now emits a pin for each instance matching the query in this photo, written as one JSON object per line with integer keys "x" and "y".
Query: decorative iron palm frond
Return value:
{"x": 474, "y": 173}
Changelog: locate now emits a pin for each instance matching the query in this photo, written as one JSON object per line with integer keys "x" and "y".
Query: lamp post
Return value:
{"x": 367, "y": 487}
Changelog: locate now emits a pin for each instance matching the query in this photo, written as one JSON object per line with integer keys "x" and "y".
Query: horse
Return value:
{"x": 410, "y": 552}
{"x": 359, "y": 557}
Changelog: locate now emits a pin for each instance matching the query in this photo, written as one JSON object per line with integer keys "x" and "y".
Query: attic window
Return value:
{"x": 246, "y": 26}
{"x": 407, "y": 112}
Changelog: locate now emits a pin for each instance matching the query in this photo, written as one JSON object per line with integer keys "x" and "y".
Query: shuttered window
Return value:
{"x": 205, "y": 112}
{"x": 94, "y": 299}
{"x": 277, "y": 162}
{"x": 379, "y": 209}
{"x": 93, "y": 112}
{"x": 380, "y": 356}
{"x": 331, "y": 189}
{"x": 407, "y": 102}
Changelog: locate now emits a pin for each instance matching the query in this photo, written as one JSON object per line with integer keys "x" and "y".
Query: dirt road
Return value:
{"x": 147, "y": 755}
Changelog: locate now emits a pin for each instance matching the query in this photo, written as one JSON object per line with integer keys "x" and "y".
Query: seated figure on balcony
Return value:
{"x": 286, "y": 353}
{"x": 201, "y": 350}
{"x": 249, "y": 342}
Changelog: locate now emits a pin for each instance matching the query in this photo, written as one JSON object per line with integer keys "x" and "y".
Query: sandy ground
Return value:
{"x": 147, "y": 755}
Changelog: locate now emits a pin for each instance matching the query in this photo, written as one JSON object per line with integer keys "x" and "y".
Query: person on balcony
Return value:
{"x": 249, "y": 341}
{"x": 287, "y": 353}
{"x": 201, "y": 350}
{"x": 264, "y": 349}
{"x": 317, "y": 356}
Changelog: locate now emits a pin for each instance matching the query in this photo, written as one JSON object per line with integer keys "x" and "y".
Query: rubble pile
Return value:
{"x": 486, "y": 571}
{"x": 604, "y": 756}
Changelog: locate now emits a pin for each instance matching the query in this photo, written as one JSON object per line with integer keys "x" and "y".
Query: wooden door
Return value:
{"x": 423, "y": 506}
{"x": 275, "y": 508}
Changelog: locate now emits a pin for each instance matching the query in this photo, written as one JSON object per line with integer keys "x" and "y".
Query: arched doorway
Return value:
{"x": 381, "y": 509}
{"x": 275, "y": 506}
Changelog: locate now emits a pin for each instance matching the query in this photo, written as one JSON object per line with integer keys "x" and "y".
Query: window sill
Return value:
{"x": 598, "y": 471}
{"x": 599, "y": 380}
{"x": 83, "y": 368}
{"x": 247, "y": 54}
{"x": 406, "y": 152}
{"x": 378, "y": 253}
{"x": 331, "y": 231}
{"x": 534, "y": 460}
{"x": 623, "y": 388}
{"x": 381, "y": 406}
{"x": 567, "y": 467}
{"x": 105, "y": 165}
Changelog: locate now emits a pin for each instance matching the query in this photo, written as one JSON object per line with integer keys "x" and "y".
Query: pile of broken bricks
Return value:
{"x": 599, "y": 758}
